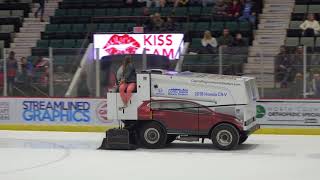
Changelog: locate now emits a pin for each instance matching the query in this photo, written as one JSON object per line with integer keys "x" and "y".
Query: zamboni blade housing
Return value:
{"x": 119, "y": 139}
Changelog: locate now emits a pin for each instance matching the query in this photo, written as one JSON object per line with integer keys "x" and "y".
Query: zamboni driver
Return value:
{"x": 127, "y": 76}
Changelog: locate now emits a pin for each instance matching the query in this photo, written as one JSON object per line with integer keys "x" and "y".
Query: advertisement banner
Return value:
{"x": 169, "y": 45}
{"x": 289, "y": 112}
{"x": 93, "y": 112}
{"x": 55, "y": 111}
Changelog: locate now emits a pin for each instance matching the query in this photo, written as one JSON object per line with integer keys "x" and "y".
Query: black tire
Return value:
{"x": 152, "y": 136}
{"x": 225, "y": 137}
{"x": 171, "y": 138}
{"x": 242, "y": 139}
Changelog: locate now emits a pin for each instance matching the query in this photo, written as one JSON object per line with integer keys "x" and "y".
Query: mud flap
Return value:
{"x": 119, "y": 139}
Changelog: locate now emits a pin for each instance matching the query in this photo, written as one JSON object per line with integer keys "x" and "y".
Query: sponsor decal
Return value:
{"x": 178, "y": 92}
{"x": 102, "y": 111}
{"x": 211, "y": 94}
{"x": 261, "y": 111}
{"x": 159, "y": 92}
{"x": 4, "y": 111}
{"x": 56, "y": 111}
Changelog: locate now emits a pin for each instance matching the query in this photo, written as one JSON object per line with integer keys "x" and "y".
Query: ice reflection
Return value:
{"x": 43, "y": 144}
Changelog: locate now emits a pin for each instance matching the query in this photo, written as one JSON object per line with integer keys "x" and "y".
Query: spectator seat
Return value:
{"x": 113, "y": 12}
{"x": 318, "y": 42}
{"x": 202, "y": 26}
{"x": 52, "y": 27}
{"x": 73, "y": 12}
{"x": 244, "y": 26}
{"x": 217, "y": 26}
{"x": 295, "y": 24}
{"x": 232, "y": 26}
{"x": 56, "y": 43}
{"x": 78, "y": 28}
{"x": 300, "y": 9}
{"x": 99, "y": 12}
{"x": 86, "y": 12}
{"x": 125, "y": 11}
{"x": 181, "y": 11}
{"x": 65, "y": 28}
{"x": 194, "y": 11}
{"x": 307, "y": 41}
{"x": 292, "y": 41}
{"x": 69, "y": 43}
{"x": 314, "y": 9}
{"x": 104, "y": 27}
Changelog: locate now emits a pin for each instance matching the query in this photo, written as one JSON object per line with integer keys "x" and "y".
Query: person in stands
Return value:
{"x": 83, "y": 90}
{"x": 169, "y": 25}
{"x": 204, "y": 3}
{"x": 220, "y": 9}
{"x": 298, "y": 61}
{"x": 208, "y": 43}
{"x": 234, "y": 9}
{"x": 316, "y": 84}
{"x": 239, "y": 41}
{"x": 146, "y": 11}
{"x": 157, "y": 22}
{"x": 310, "y": 27}
{"x": 148, "y": 24}
{"x": 283, "y": 67}
{"x": 61, "y": 80}
{"x": 26, "y": 71}
{"x": 12, "y": 66}
{"x": 248, "y": 12}
{"x": 41, "y": 8}
{"x": 127, "y": 80}
{"x": 226, "y": 39}
{"x": 156, "y": 3}
{"x": 208, "y": 40}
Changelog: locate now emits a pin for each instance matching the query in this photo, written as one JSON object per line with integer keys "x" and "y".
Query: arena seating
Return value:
{"x": 294, "y": 38}
{"x": 75, "y": 20}
{"x": 71, "y": 28}
{"x": 294, "y": 33}
{"x": 11, "y": 15}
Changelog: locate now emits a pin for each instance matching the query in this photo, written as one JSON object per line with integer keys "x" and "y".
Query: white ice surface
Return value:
{"x": 73, "y": 156}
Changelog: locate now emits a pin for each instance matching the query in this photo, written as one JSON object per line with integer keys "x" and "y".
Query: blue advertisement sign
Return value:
{"x": 56, "y": 111}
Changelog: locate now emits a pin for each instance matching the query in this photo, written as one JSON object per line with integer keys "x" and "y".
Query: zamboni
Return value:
{"x": 183, "y": 106}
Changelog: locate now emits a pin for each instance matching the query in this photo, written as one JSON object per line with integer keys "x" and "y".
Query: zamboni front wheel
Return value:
{"x": 152, "y": 136}
{"x": 225, "y": 137}
{"x": 242, "y": 139}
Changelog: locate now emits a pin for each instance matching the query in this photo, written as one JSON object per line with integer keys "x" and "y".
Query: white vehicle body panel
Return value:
{"x": 233, "y": 95}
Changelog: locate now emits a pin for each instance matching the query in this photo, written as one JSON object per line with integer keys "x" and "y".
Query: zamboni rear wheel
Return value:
{"x": 152, "y": 136}
{"x": 225, "y": 137}
{"x": 171, "y": 138}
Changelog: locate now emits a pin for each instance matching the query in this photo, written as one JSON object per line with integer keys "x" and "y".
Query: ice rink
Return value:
{"x": 73, "y": 156}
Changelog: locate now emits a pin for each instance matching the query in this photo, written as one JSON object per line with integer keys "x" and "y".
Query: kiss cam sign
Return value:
{"x": 169, "y": 45}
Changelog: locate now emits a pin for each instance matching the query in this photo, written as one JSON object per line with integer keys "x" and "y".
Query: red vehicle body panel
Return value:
{"x": 188, "y": 120}
{"x": 177, "y": 120}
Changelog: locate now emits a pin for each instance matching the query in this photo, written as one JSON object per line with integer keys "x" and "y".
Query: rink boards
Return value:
{"x": 276, "y": 116}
